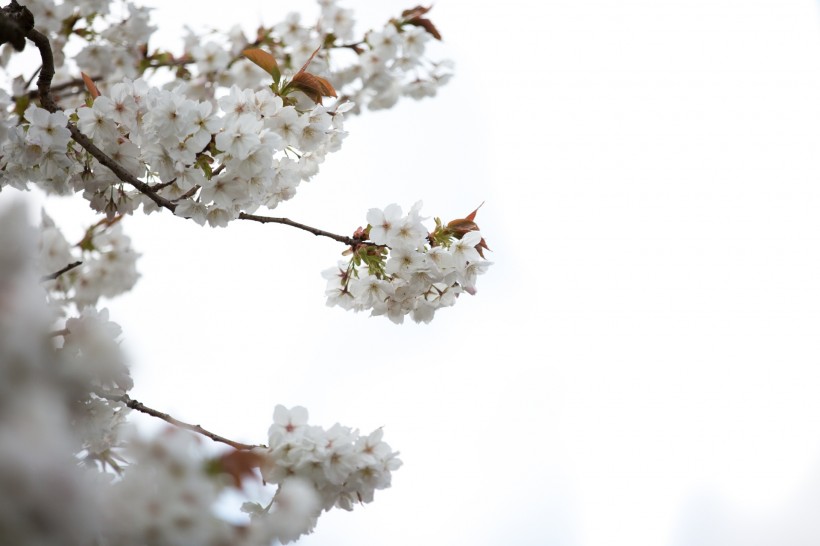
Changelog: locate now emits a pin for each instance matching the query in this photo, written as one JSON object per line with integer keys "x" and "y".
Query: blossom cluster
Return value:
{"x": 108, "y": 262}
{"x": 262, "y": 147}
{"x": 218, "y": 140}
{"x": 375, "y": 68}
{"x": 345, "y": 467}
{"x": 406, "y": 270}
{"x": 109, "y": 40}
{"x": 376, "y": 71}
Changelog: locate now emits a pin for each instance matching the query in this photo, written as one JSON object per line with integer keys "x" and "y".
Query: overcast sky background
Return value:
{"x": 640, "y": 365}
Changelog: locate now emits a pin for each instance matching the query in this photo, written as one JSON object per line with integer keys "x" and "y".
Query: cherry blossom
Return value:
{"x": 222, "y": 132}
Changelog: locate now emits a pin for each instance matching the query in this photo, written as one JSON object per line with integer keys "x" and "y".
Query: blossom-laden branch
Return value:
{"x": 139, "y": 406}
{"x": 206, "y": 159}
{"x": 44, "y": 88}
{"x": 213, "y": 167}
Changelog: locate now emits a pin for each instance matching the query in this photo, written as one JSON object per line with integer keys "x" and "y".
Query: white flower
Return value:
{"x": 240, "y": 137}
{"x": 370, "y": 290}
{"x": 464, "y": 251}
{"x": 288, "y": 124}
{"x": 171, "y": 115}
{"x": 210, "y": 57}
{"x": 237, "y": 103}
{"x": 288, "y": 424}
{"x": 413, "y": 40}
{"x": 383, "y": 223}
{"x": 386, "y": 42}
{"x": 195, "y": 210}
{"x": 48, "y": 130}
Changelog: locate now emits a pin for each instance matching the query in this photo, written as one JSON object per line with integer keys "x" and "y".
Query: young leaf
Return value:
{"x": 304, "y": 66}
{"x": 471, "y": 216}
{"x": 414, "y": 17}
{"x": 312, "y": 85}
{"x": 90, "y": 85}
{"x": 415, "y": 12}
{"x": 461, "y": 226}
{"x": 427, "y": 25}
{"x": 237, "y": 464}
{"x": 265, "y": 60}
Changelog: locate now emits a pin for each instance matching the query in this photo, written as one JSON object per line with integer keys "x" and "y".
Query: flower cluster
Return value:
{"x": 262, "y": 147}
{"x": 45, "y": 497}
{"x": 374, "y": 69}
{"x": 108, "y": 263}
{"x": 344, "y": 467}
{"x": 108, "y": 43}
{"x": 218, "y": 141}
{"x": 377, "y": 70}
{"x": 165, "y": 496}
{"x": 406, "y": 270}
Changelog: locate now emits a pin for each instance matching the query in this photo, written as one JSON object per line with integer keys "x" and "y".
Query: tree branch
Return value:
{"x": 44, "y": 88}
{"x": 352, "y": 241}
{"x": 139, "y": 406}
{"x": 78, "y": 83}
{"x": 66, "y": 269}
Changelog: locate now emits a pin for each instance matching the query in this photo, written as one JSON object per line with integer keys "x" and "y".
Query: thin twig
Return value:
{"x": 162, "y": 185}
{"x": 139, "y": 406}
{"x": 66, "y": 269}
{"x": 285, "y": 221}
{"x": 357, "y": 47}
{"x": 31, "y": 79}
{"x": 79, "y": 83}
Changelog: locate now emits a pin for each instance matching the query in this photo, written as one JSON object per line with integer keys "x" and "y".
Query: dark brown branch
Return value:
{"x": 15, "y": 22}
{"x": 44, "y": 87}
{"x": 117, "y": 169}
{"x": 162, "y": 185}
{"x": 66, "y": 269}
{"x": 318, "y": 232}
{"x": 184, "y": 61}
{"x": 357, "y": 47}
{"x": 139, "y": 406}
{"x": 46, "y": 71}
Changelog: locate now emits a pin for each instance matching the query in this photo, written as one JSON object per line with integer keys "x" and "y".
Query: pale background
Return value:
{"x": 640, "y": 366}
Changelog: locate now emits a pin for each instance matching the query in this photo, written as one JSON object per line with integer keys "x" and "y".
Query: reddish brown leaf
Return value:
{"x": 471, "y": 216}
{"x": 262, "y": 58}
{"x": 427, "y": 25}
{"x": 238, "y": 464}
{"x": 304, "y": 66}
{"x": 90, "y": 85}
{"x": 313, "y": 86}
{"x": 462, "y": 226}
{"x": 415, "y": 12}
{"x": 481, "y": 247}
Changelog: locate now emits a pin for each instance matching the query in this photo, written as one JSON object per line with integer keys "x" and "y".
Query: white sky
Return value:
{"x": 640, "y": 366}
